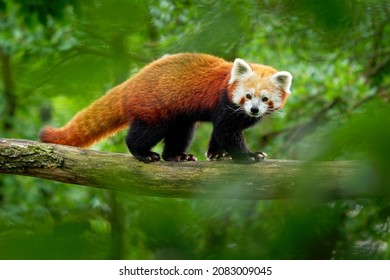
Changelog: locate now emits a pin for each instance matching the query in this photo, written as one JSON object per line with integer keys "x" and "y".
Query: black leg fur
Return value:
{"x": 177, "y": 140}
{"x": 142, "y": 138}
{"x": 215, "y": 150}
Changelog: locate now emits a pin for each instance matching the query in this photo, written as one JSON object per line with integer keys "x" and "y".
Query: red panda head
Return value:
{"x": 258, "y": 89}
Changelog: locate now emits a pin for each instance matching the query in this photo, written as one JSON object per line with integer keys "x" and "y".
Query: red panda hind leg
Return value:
{"x": 141, "y": 138}
{"x": 177, "y": 137}
{"x": 177, "y": 141}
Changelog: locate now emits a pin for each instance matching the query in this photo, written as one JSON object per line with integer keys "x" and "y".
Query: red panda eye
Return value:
{"x": 264, "y": 99}
{"x": 249, "y": 96}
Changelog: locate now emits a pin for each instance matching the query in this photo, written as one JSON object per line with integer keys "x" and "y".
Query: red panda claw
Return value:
{"x": 217, "y": 156}
{"x": 182, "y": 157}
{"x": 261, "y": 155}
{"x": 188, "y": 157}
{"x": 191, "y": 158}
{"x": 151, "y": 157}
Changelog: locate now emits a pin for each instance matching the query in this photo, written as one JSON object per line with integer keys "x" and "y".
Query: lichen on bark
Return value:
{"x": 17, "y": 158}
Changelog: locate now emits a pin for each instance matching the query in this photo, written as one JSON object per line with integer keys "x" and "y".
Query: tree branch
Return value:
{"x": 271, "y": 179}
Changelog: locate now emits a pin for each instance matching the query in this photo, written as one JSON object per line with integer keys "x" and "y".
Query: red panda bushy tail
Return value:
{"x": 102, "y": 118}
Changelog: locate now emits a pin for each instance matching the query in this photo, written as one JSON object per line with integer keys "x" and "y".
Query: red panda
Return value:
{"x": 165, "y": 99}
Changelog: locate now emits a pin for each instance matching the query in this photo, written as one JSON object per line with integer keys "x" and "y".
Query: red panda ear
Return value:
{"x": 282, "y": 80}
{"x": 240, "y": 69}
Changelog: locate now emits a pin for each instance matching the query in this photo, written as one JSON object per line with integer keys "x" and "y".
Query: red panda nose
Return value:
{"x": 254, "y": 110}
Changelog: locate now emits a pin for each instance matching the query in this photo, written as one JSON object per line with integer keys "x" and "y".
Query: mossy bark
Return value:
{"x": 270, "y": 179}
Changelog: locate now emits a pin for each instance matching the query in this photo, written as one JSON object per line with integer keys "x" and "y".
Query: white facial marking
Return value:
{"x": 264, "y": 93}
{"x": 274, "y": 98}
{"x": 241, "y": 91}
{"x": 238, "y": 93}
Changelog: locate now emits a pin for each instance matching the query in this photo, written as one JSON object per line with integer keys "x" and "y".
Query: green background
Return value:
{"x": 56, "y": 57}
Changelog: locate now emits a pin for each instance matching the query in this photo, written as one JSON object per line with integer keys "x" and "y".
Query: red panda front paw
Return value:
{"x": 181, "y": 157}
{"x": 261, "y": 155}
{"x": 218, "y": 156}
{"x": 251, "y": 157}
{"x": 256, "y": 157}
{"x": 147, "y": 158}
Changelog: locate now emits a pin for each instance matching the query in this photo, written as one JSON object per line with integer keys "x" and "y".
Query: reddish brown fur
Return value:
{"x": 103, "y": 117}
{"x": 166, "y": 87}
{"x": 171, "y": 85}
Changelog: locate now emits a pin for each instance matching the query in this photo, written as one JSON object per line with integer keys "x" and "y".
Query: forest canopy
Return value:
{"x": 56, "y": 57}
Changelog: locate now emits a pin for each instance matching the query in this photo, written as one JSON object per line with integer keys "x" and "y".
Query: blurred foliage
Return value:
{"x": 58, "y": 56}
